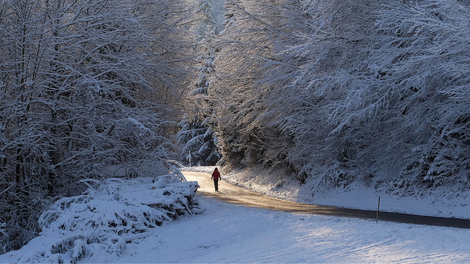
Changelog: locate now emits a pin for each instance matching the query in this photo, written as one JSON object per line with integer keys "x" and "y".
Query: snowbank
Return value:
{"x": 206, "y": 169}
{"x": 110, "y": 214}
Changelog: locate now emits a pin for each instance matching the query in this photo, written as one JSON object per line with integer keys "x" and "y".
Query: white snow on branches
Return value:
{"x": 110, "y": 214}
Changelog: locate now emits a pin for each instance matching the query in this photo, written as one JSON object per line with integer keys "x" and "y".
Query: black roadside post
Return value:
{"x": 378, "y": 209}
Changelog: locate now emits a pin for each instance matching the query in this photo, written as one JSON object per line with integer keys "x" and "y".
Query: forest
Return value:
{"x": 334, "y": 91}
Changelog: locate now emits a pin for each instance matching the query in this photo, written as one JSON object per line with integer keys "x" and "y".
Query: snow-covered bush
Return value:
{"x": 110, "y": 214}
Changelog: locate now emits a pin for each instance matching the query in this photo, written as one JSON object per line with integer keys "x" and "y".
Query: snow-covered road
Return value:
{"x": 233, "y": 194}
{"x": 228, "y": 233}
{"x": 232, "y": 233}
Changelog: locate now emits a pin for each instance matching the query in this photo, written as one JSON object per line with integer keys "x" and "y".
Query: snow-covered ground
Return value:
{"x": 226, "y": 233}
{"x": 98, "y": 225}
{"x": 442, "y": 203}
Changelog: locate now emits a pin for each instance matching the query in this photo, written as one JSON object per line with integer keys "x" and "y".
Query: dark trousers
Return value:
{"x": 216, "y": 185}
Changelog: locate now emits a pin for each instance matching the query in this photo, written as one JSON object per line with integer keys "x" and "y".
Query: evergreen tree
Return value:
{"x": 204, "y": 8}
{"x": 199, "y": 144}
{"x": 204, "y": 11}
{"x": 196, "y": 134}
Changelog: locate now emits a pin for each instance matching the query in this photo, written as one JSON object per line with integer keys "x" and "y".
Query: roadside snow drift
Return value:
{"x": 110, "y": 214}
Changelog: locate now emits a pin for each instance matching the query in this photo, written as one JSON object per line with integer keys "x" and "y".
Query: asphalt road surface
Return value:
{"x": 233, "y": 194}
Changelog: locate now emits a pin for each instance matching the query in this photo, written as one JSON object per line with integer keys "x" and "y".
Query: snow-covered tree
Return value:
{"x": 425, "y": 86}
{"x": 389, "y": 97}
{"x": 322, "y": 62}
{"x": 380, "y": 99}
{"x": 250, "y": 40}
{"x": 209, "y": 16}
{"x": 196, "y": 135}
{"x": 204, "y": 8}
{"x": 199, "y": 143}
{"x": 84, "y": 85}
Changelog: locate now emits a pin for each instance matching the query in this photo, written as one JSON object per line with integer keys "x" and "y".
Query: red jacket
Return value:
{"x": 216, "y": 175}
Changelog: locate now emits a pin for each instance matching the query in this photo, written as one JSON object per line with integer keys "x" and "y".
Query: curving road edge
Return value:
{"x": 233, "y": 194}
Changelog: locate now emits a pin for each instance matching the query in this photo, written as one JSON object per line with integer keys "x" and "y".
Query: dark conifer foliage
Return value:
{"x": 196, "y": 135}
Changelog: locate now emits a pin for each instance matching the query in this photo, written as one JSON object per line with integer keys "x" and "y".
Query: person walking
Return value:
{"x": 216, "y": 177}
